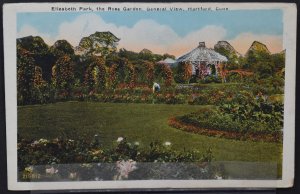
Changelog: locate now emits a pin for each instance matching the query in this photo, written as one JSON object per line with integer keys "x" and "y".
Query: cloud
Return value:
{"x": 82, "y": 26}
{"x": 28, "y": 30}
{"x": 152, "y": 35}
{"x": 209, "y": 34}
{"x": 145, "y": 33}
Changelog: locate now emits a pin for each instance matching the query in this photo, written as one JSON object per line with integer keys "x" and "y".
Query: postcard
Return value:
{"x": 150, "y": 95}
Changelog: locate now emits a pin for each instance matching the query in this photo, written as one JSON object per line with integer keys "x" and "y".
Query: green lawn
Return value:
{"x": 138, "y": 122}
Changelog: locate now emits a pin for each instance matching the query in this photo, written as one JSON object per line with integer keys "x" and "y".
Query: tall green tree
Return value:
{"x": 99, "y": 43}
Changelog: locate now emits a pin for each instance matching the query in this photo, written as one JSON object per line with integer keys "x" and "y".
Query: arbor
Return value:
{"x": 25, "y": 76}
{"x": 167, "y": 75}
{"x": 149, "y": 72}
{"x": 130, "y": 75}
{"x": 41, "y": 93}
{"x": 63, "y": 75}
{"x": 112, "y": 76}
{"x": 95, "y": 75}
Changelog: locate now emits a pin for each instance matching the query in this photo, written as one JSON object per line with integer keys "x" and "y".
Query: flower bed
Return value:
{"x": 254, "y": 119}
{"x": 67, "y": 160}
{"x": 253, "y": 136}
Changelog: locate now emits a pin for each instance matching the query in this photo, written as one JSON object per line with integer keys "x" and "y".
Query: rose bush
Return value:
{"x": 67, "y": 160}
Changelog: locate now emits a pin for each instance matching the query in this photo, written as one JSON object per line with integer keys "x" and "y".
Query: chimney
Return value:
{"x": 201, "y": 45}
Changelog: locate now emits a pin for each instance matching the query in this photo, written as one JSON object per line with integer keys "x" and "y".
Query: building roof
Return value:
{"x": 202, "y": 54}
{"x": 167, "y": 61}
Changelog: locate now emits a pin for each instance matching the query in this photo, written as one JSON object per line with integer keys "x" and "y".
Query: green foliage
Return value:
{"x": 278, "y": 60}
{"x": 234, "y": 77}
{"x": 166, "y": 55}
{"x": 233, "y": 59}
{"x": 268, "y": 86}
{"x": 86, "y": 43}
{"x": 25, "y": 76}
{"x": 263, "y": 64}
{"x": 34, "y": 44}
{"x": 41, "y": 88}
{"x": 244, "y": 108}
{"x": 95, "y": 75}
{"x": 244, "y": 113}
{"x": 149, "y": 73}
{"x": 144, "y": 55}
{"x": 131, "y": 76}
{"x": 40, "y": 52}
{"x": 99, "y": 43}
{"x": 62, "y": 47}
{"x": 129, "y": 55}
{"x": 183, "y": 73}
{"x": 50, "y": 156}
{"x": 147, "y": 55}
{"x": 112, "y": 77}
{"x": 211, "y": 79}
{"x": 132, "y": 69}
{"x": 63, "y": 76}
{"x": 167, "y": 75}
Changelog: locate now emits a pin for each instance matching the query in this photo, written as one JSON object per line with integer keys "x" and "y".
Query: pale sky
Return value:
{"x": 161, "y": 32}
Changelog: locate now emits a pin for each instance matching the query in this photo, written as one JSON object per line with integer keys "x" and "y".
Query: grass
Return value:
{"x": 138, "y": 122}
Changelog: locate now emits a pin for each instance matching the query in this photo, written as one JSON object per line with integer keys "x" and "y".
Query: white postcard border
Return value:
{"x": 289, "y": 41}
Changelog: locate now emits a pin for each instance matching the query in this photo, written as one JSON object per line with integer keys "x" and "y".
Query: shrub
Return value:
{"x": 211, "y": 79}
{"x": 244, "y": 113}
{"x": 67, "y": 159}
{"x": 184, "y": 72}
